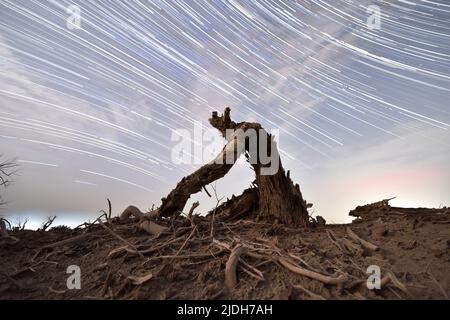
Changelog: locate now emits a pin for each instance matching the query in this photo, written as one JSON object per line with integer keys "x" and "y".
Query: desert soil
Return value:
{"x": 119, "y": 261}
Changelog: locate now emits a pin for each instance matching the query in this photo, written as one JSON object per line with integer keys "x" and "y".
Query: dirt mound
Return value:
{"x": 235, "y": 260}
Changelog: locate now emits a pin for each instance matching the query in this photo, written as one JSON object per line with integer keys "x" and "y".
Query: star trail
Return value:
{"x": 89, "y": 112}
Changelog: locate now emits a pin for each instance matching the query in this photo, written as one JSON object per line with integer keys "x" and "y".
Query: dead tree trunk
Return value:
{"x": 274, "y": 198}
{"x": 280, "y": 200}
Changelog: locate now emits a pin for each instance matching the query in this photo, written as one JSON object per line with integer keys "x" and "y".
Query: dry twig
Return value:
{"x": 187, "y": 239}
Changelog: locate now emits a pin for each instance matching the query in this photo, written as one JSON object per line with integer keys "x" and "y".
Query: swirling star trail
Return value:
{"x": 89, "y": 112}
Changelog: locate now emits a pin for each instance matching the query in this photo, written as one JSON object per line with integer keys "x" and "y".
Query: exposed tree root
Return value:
{"x": 131, "y": 211}
{"x": 364, "y": 243}
{"x": 120, "y": 238}
{"x": 145, "y": 224}
{"x": 311, "y": 274}
{"x": 250, "y": 270}
{"x": 140, "y": 280}
{"x": 249, "y": 251}
{"x": 152, "y": 228}
{"x": 230, "y": 268}
{"x": 390, "y": 277}
{"x": 334, "y": 240}
{"x": 313, "y": 295}
{"x": 64, "y": 242}
{"x": 187, "y": 240}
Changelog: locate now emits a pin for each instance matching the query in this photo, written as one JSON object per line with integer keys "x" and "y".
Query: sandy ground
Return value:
{"x": 410, "y": 247}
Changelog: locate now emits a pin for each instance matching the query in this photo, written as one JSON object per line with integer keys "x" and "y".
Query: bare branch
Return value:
{"x": 48, "y": 223}
{"x": 8, "y": 168}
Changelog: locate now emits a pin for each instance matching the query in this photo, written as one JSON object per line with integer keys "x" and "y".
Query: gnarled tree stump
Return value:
{"x": 273, "y": 199}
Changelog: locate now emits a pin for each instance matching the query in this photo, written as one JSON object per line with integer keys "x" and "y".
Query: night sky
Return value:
{"x": 89, "y": 113}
